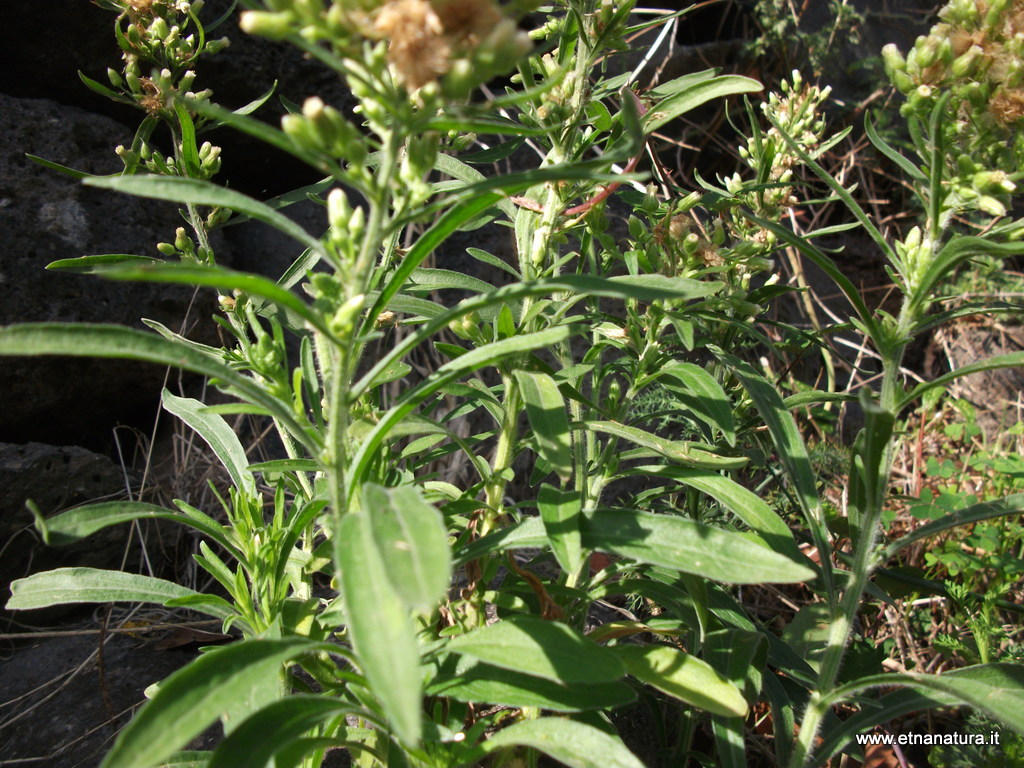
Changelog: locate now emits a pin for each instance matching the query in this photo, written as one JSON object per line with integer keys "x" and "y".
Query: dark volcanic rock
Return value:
{"x": 55, "y": 478}
{"x": 46, "y": 216}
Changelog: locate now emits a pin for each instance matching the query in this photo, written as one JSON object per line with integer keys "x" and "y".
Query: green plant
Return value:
{"x": 787, "y": 34}
{"x": 594, "y": 334}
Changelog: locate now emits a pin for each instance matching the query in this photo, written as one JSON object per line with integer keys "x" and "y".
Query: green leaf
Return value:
{"x": 524, "y": 534}
{"x": 258, "y": 129}
{"x": 471, "y": 681}
{"x": 840, "y": 191}
{"x": 785, "y": 434}
{"x": 560, "y": 512}
{"x": 745, "y": 504}
{"x": 545, "y": 409}
{"x": 194, "y": 697}
{"x": 273, "y": 727}
{"x": 1010, "y": 360}
{"x": 908, "y": 167}
{"x": 225, "y": 280}
{"x": 457, "y": 169}
{"x": 425, "y": 244}
{"x": 483, "y": 123}
{"x": 194, "y": 759}
{"x": 181, "y": 190}
{"x": 827, "y": 265}
{"x": 82, "y": 340}
{"x": 691, "y": 454}
{"x": 286, "y": 465}
{"x": 75, "y": 524}
{"x": 547, "y": 649}
{"x": 411, "y": 537}
{"x": 217, "y": 434}
{"x": 90, "y": 585}
{"x": 957, "y": 250}
{"x": 693, "y": 96}
{"x": 88, "y": 264}
{"x": 995, "y": 689}
{"x": 705, "y": 397}
{"x": 379, "y": 627}
{"x": 869, "y": 474}
{"x": 884, "y": 710}
{"x": 439, "y": 279}
{"x": 491, "y": 260}
{"x": 1009, "y": 505}
{"x": 688, "y": 546}
{"x": 574, "y": 744}
{"x": 685, "y": 677}
{"x": 730, "y": 744}
{"x": 740, "y": 655}
{"x": 472, "y": 360}
{"x": 71, "y": 172}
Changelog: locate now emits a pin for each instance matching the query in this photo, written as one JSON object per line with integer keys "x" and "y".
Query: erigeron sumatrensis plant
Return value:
{"x": 393, "y": 663}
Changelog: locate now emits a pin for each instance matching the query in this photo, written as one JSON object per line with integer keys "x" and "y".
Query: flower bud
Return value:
{"x": 181, "y": 240}
{"x": 993, "y": 182}
{"x": 964, "y": 64}
{"x": 159, "y": 28}
{"x": 991, "y": 206}
{"x": 894, "y": 61}
{"x": 216, "y": 46}
{"x": 274, "y": 26}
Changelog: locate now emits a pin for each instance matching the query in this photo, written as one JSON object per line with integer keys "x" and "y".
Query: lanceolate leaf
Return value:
{"x": 413, "y": 542}
{"x": 704, "y": 396}
{"x": 693, "y": 96}
{"x": 194, "y": 697}
{"x": 1011, "y": 360}
{"x": 995, "y": 689}
{"x": 379, "y": 627}
{"x": 192, "y": 759}
{"x": 273, "y": 727}
{"x": 181, "y": 190}
{"x": 535, "y": 646}
{"x": 473, "y": 681}
{"x": 218, "y": 435}
{"x": 688, "y": 546}
{"x": 690, "y": 454}
{"x": 81, "y": 340}
{"x": 225, "y": 280}
{"x": 90, "y": 585}
{"x": 745, "y": 504}
{"x": 545, "y": 409}
{"x": 470, "y": 361}
{"x": 75, "y": 524}
{"x": 571, "y": 743}
{"x": 685, "y": 677}
{"x": 560, "y": 512}
{"x": 1010, "y": 505}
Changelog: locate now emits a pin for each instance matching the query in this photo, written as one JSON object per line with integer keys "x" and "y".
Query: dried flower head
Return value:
{"x": 152, "y": 100}
{"x": 1007, "y": 106}
{"x": 467, "y": 22}
{"x": 419, "y": 51}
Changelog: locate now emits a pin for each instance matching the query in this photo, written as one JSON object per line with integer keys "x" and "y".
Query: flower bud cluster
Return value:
{"x": 916, "y": 253}
{"x": 321, "y": 129}
{"x": 975, "y": 56}
{"x": 796, "y": 112}
{"x": 185, "y": 249}
{"x": 160, "y": 41}
{"x": 152, "y": 160}
{"x": 345, "y": 230}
